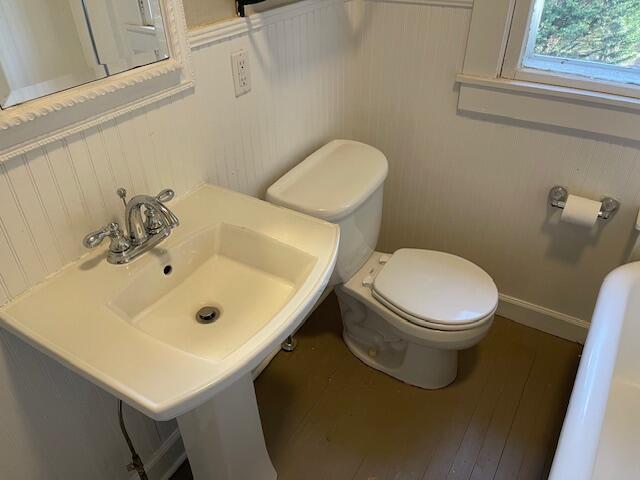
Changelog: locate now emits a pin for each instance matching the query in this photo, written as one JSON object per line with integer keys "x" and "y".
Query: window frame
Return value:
{"x": 520, "y": 43}
{"x": 557, "y": 100}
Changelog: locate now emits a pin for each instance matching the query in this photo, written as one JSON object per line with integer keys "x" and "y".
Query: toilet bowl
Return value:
{"x": 408, "y": 313}
{"x": 420, "y": 348}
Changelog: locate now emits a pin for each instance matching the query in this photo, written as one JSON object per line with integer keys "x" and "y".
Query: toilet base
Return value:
{"x": 421, "y": 366}
{"x": 369, "y": 337}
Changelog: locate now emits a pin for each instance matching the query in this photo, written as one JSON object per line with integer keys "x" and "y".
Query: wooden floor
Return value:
{"x": 327, "y": 416}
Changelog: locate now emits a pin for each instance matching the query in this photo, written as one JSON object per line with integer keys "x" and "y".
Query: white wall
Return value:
{"x": 299, "y": 73}
{"x": 204, "y": 12}
{"x": 478, "y": 186}
{"x": 55, "y": 424}
{"x": 5, "y": 90}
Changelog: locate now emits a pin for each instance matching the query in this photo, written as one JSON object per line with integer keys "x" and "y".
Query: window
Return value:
{"x": 589, "y": 44}
{"x": 565, "y": 63}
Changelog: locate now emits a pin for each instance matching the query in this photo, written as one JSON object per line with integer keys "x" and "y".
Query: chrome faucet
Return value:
{"x": 148, "y": 222}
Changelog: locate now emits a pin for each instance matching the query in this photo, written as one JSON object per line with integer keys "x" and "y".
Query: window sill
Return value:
{"x": 589, "y": 111}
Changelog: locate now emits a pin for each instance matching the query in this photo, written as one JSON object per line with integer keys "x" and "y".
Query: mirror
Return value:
{"x": 48, "y": 46}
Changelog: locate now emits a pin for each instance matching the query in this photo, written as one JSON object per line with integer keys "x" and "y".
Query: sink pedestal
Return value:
{"x": 223, "y": 437}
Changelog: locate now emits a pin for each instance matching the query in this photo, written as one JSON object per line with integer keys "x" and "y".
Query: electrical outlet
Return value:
{"x": 241, "y": 73}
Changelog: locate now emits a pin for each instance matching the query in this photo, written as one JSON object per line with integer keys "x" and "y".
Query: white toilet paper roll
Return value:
{"x": 581, "y": 211}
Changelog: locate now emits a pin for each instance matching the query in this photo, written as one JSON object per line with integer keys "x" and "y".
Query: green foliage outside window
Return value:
{"x": 606, "y": 31}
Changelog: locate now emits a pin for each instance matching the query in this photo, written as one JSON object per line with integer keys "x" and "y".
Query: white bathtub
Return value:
{"x": 601, "y": 433}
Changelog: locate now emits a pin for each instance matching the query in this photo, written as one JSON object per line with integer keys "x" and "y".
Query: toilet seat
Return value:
{"x": 435, "y": 290}
{"x": 359, "y": 290}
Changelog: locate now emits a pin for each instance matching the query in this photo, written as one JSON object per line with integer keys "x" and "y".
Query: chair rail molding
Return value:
{"x": 236, "y": 27}
{"x": 39, "y": 122}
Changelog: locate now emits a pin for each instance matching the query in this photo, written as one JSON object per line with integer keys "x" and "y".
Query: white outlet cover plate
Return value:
{"x": 241, "y": 72}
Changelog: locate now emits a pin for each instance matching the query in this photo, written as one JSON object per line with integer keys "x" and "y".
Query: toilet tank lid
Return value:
{"x": 333, "y": 181}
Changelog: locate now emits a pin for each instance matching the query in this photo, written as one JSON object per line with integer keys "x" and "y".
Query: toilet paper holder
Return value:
{"x": 558, "y": 198}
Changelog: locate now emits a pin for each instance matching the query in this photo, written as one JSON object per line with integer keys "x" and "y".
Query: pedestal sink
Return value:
{"x": 177, "y": 332}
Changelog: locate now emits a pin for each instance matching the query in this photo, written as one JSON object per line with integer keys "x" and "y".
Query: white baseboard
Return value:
{"x": 543, "y": 319}
{"x": 166, "y": 460}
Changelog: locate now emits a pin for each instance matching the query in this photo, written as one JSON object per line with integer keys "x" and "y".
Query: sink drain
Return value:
{"x": 208, "y": 314}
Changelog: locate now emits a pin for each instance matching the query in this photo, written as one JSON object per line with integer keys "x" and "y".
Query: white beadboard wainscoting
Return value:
{"x": 477, "y": 186}
{"x": 55, "y": 424}
{"x": 299, "y": 60}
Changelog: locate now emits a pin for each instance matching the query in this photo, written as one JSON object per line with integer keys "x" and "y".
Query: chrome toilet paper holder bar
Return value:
{"x": 558, "y": 198}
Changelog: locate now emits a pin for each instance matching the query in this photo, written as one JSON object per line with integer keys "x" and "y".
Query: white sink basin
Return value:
{"x": 207, "y": 270}
{"x": 132, "y": 329}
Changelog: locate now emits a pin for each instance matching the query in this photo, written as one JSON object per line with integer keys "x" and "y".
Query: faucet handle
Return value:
{"x": 122, "y": 193}
{"x": 165, "y": 195}
{"x": 94, "y": 239}
{"x": 119, "y": 243}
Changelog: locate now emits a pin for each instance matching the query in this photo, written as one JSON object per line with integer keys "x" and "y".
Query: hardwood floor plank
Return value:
{"x": 550, "y": 354}
{"x": 546, "y": 429}
{"x": 499, "y": 398}
{"x": 404, "y": 414}
{"x": 477, "y": 366}
{"x": 321, "y": 432}
{"x": 505, "y": 410}
{"x": 296, "y": 380}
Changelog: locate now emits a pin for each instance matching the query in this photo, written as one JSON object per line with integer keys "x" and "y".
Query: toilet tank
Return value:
{"x": 342, "y": 183}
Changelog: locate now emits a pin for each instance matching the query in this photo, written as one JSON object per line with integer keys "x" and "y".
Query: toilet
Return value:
{"x": 407, "y": 313}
